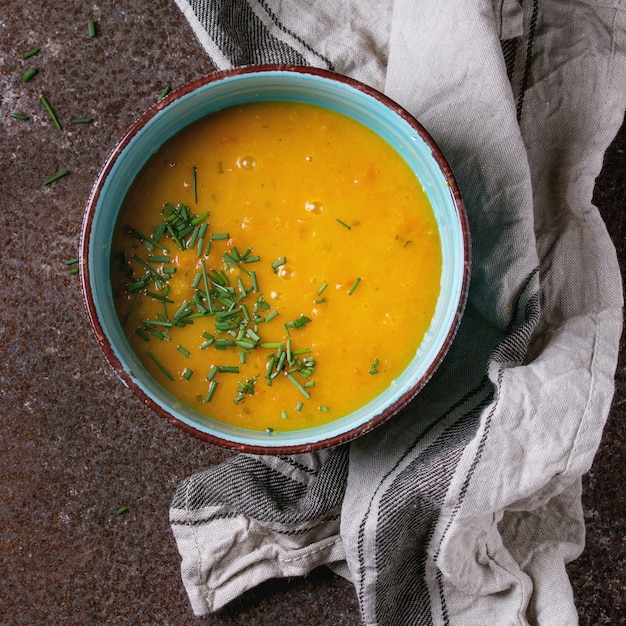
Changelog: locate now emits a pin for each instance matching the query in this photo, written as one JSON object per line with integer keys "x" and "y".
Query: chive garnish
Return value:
{"x": 228, "y": 369}
{"x": 159, "y": 365}
{"x": 299, "y": 406}
{"x": 212, "y": 373}
{"x": 284, "y": 415}
{"x": 324, "y": 409}
{"x": 220, "y": 236}
{"x": 194, "y": 173}
{"x": 82, "y": 120}
{"x": 354, "y": 286}
{"x": 187, "y": 374}
{"x": 211, "y": 392}
{"x": 344, "y": 224}
{"x": 298, "y": 386}
{"x": 121, "y": 510}
{"x": 91, "y": 29}
{"x": 165, "y": 92}
{"x": 269, "y": 431}
{"x": 319, "y": 300}
{"x": 321, "y": 289}
{"x": 56, "y": 177}
{"x": 142, "y": 333}
{"x": 51, "y": 112}
{"x": 183, "y": 351}
{"x": 278, "y": 263}
{"x": 20, "y": 116}
{"x": 30, "y": 53}
{"x": 73, "y": 261}
{"x": 374, "y": 367}
{"x": 29, "y": 74}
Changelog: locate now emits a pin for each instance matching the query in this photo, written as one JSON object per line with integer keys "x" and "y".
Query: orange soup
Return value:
{"x": 276, "y": 265}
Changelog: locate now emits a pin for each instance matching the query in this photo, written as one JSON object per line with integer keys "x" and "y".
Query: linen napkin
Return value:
{"x": 465, "y": 508}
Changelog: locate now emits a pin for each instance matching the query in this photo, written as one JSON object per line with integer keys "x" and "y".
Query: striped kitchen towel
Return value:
{"x": 465, "y": 508}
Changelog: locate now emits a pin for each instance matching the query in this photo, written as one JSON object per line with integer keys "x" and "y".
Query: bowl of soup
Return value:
{"x": 275, "y": 259}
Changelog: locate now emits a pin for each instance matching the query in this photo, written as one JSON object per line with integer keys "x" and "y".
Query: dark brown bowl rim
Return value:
{"x": 390, "y": 410}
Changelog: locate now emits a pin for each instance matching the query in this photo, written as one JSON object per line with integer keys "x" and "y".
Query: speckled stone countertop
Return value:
{"x": 75, "y": 445}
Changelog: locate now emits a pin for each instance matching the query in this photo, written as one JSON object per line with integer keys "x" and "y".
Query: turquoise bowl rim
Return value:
{"x": 274, "y": 82}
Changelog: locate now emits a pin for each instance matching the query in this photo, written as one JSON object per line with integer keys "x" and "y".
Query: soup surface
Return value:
{"x": 276, "y": 265}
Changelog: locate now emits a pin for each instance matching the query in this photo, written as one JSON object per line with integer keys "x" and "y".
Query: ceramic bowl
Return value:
{"x": 217, "y": 91}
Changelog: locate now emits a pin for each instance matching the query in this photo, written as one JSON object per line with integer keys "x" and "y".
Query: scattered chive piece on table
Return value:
{"x": 30, "y": 53}
{"x": 122, "y": 510}
{"x": 165, "y": 92}
{"x": 29, "y": 74}
{"x": 51, "y": 112}
{"x": 344, "y": 224}
{"x": 354, "y": 286}
{"x": 82, "y": 120}
{"x": 20, "y": 116}
{"x": 91, "y": 29}
{"x": 56, "y": 177}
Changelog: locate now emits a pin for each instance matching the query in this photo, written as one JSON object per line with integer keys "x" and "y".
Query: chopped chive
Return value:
{"x": 251, "y": 259}
{"x": 121, "y": 510}
{"x": 211, "y": 392}
{"x": 73, "y": 261}
{"x": 220, "y": 236}
{"x": 91, "y": 29}
{"x": 299, "y": 387}
{"x": 183, "y": 351}
{"x": 142, "y": 333}
{"x": 20, "y": 116}
{"x": 165, "y": 92}
{"x": 255, "y": 284}
{"x": 374, "y": 367}
{"x": 82, "y": 120}
{"x": 272, "y": 345}
{"x": 324, "y": 409}
{"x": 159, "y": 365}
{"x": 56, "y": 177}
{"x": 74, "y": 270}
{"x": 187, "y": 374}
{"x": 299, "y": 406}
{"x": 354, "y": 286}
{"x": 31, "y": 73}
{"x": 228, "y": 369}
{"x": 298, "y": 322}
{"x": 344, "y": 224}
{"x": 212, "y": 373}
{"x": 284, "y": 415}
{"x": 194, "y": 173}
{"x": 319, "y": 300}
{"x": 30, "y": 53}
{"x": 200, "y": 218}
{"x": 271, "y": 315}
{"x": 269, "y": 431}
{"x": 51, "y": 112}
{"x": 321, "y": 289}
{"x": 278, "y": 263}
{"x": 158, "y": 259}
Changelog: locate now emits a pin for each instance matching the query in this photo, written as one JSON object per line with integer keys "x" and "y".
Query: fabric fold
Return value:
{"x": 465, "y": 508}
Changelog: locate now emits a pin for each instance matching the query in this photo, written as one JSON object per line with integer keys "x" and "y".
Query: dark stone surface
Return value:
{"x": 75, "y": 445}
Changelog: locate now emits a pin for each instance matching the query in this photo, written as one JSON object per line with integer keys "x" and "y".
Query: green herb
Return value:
{"x": 82, "y": 120}
{"x": 319, "y": 300}
{"x": 278, "y": 263}
{"x": 299, "y": 406}
{"x": 142, "y": 333}
{"x": 298, "y": 386}
{"x": 121, "y": 510}
{"x": 229, "y": 369}
{"x": 31, "y": 73}
{"x": 284, "y": 415}
{"x": 374, "y": 367}
{"x": 321, "y": 289}
{"x": 183, "y": 351}
{"x": 354, "y": 286}
{"x": 298, "y": 322}
{"x": 220, "y": 236}
{"x": 159, "y": 365}
{"x": 56, "y": 177}
{"x": 211, "y": 392}
{"x": 51, "y": 112}
{"x": 165, "y": 92}
{"x": 269, "y": 431}
{"x": 20, "y": 116}
{"x": 194, "y": 173}
{"x": 187, "y": 374}
{"x": 324, "y": 409}
{"x": 73, "y": 261}
{"x": 344, "y": 224}
{"x": 91, "y": 29}
{"x": 30, "y": 53}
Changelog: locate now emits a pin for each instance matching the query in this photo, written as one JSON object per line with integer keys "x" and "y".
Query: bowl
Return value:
{"x": 261, "y": 83}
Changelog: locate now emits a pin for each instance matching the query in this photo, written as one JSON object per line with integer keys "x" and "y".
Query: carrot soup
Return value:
{"x": 276, "y": 265}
